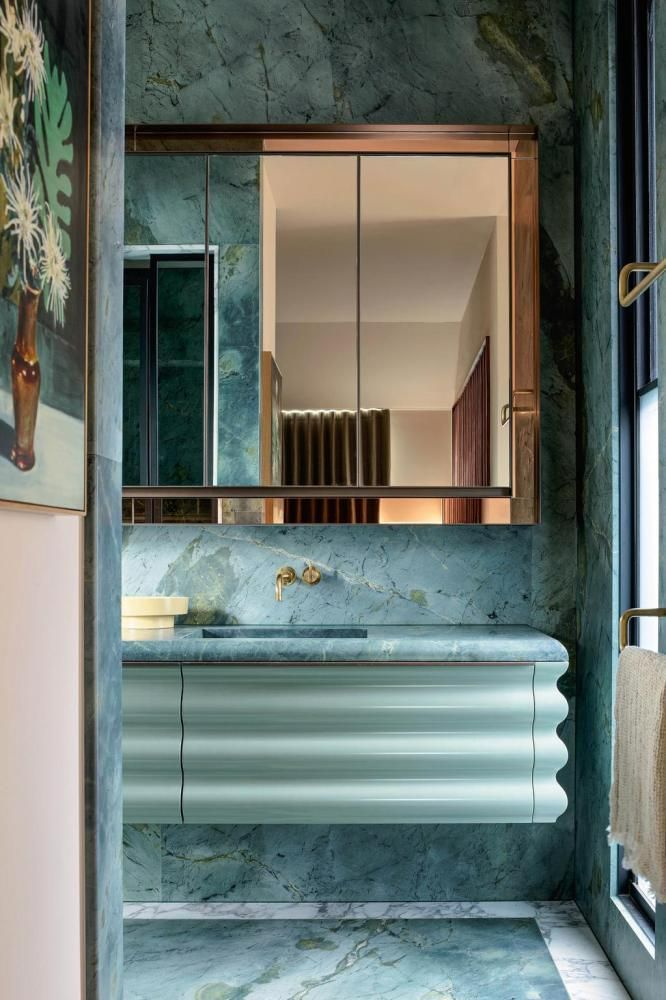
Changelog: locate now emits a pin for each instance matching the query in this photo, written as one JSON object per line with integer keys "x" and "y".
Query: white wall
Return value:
{"x": 40, "y": 756}
{"x": 318, "y": 365}
{"x": 487, "y": 315}
{"x": 420, "y": 447}
{"x": 404, "y": 366}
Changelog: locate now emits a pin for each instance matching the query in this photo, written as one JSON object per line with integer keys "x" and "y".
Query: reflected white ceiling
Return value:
{"x": 425, "y": 224}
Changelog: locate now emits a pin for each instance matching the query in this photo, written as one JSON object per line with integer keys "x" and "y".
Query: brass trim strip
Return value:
{"x": 516, "y": 140}
{"x": 310, "y": 492}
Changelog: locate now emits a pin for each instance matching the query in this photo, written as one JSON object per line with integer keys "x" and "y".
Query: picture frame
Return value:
{"x": 45, "y": 86}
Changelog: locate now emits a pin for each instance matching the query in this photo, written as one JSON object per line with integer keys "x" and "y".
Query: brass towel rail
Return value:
{"x": 630, "y": 613}
{"x": 654, "y": 271}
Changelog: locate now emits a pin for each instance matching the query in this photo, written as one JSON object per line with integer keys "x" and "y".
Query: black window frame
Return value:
{"x": 636, "y": 191}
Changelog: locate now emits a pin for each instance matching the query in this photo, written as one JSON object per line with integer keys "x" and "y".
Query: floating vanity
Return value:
{"x": 392, "y": 724}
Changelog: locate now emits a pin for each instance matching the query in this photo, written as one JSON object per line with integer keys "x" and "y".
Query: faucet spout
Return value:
{"x": 284, "y": 577}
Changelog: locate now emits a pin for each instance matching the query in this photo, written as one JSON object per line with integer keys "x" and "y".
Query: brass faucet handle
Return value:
{"x": 285, "y": 576}
{"x": 311, "y": 575}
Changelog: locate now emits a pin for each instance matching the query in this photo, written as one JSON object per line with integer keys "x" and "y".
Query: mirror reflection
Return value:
{"x": 434, "y": 335}
{"x": 318, "y": 320}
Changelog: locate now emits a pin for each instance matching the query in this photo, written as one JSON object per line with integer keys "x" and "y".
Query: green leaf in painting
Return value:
{"x": 53, "y": 126}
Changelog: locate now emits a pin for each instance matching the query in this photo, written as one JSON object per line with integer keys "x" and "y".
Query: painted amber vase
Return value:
{"x": 26, "y": 380}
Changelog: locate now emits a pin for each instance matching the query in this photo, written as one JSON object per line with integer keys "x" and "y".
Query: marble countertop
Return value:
{"x": 425, "y": 643}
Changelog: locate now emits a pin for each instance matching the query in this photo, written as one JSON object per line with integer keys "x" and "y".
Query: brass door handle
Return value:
{"x": 505, "y": 413}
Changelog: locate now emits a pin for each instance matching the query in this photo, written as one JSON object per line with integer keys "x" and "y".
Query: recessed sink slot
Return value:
{"x": 284, "y": 632}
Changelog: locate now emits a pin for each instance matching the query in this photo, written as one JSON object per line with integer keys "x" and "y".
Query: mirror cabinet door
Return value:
{"x": 328, "y": 320}
{"x": 434, "y": 321}
{"x": 310, "y": 344}
{"x": 234, "y": 243}
{"x": 166, "y": 370}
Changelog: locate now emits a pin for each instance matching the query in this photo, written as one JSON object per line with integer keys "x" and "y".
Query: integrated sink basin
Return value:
{"x": 285, "y": 632}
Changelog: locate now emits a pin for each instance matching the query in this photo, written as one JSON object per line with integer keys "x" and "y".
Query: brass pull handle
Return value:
{"x": 311, "y": 575}
{"x": 505, "y": 413}
{"x": 626, "y": 617}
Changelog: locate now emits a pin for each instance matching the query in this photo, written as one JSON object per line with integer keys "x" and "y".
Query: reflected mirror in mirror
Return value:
{"x": 168, "y": 374}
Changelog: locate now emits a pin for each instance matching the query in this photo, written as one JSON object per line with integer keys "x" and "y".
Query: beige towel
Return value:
{"x": 638, "y": 792}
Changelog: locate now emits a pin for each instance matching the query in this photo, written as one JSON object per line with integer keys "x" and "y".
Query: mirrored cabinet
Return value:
{"x": 331, "y": 325}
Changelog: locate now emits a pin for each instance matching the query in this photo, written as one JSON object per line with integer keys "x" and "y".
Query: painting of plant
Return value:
{"x": 43, "y": 250}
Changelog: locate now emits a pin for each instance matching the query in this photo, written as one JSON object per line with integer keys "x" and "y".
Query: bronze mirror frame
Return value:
{"x": 519, "y": 504}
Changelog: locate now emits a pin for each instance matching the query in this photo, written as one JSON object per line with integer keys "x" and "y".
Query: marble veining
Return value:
{"x": 379, "y": 575}
{"x": 330, "y": 959}
{"x": 165, "y": 204}
{"x": 598, "y": 590}
{"x": 101, "y": 652}
{"x": 443, "y": 643}
{"x": 585, "y": 971}
{"x": 508, "y": 61}
{"x": 342, "y": 863}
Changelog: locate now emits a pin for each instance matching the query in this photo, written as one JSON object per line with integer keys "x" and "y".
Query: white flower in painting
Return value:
{"x": 53, "y": 269}
{"x": 10, "y": 28}
{"x": 32, "y": 56}
{"x": 23, "y": 220}
{"x": 8, "y": 138}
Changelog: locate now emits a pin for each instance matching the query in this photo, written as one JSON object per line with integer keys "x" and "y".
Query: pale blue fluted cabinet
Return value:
{"x": 351, "y": 743}
{"x": 152, "y": 737}
{"x": 376, "y": 742}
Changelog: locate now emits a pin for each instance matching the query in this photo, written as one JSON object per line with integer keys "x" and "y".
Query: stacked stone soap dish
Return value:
{"x": 152, "y": 612}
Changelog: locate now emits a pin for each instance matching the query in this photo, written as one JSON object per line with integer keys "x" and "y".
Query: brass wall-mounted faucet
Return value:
{"x": 311, "y": 575}
{"x": 285, "y": 576}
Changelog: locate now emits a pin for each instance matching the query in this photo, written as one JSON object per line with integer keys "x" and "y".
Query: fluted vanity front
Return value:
{"x": 391, "y": 724}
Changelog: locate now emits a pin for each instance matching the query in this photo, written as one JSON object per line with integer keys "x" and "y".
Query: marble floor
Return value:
{"x": 369, "y": 951}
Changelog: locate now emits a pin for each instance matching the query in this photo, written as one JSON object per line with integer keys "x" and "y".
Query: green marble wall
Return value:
{"x": 598, "y": 541}
{"x": 478, "y": 61}
{"x": 234, "y": 228}
{"x": 102, "y": 688}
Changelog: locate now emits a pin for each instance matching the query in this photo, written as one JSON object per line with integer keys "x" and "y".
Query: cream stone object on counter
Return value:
{"x": 152, "y": 612}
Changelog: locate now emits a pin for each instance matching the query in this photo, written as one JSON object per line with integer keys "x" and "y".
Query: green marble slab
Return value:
{"x": 438, "y": 643}
{"x": 504, "y": 959}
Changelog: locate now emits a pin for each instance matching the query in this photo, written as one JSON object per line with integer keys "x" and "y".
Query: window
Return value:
{"x": 639, "y": 441}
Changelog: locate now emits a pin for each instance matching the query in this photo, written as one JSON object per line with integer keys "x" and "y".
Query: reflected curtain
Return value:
{"x": 470, "y": 441}
{"x": 319, "y": 449}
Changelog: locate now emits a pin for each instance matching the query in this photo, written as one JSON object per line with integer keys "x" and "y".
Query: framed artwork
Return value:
{"x": 44, "y": 181}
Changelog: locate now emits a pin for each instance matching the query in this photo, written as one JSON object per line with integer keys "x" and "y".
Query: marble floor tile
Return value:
{"x": 580, "y": 961}
{"x": 368, "y": 959}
